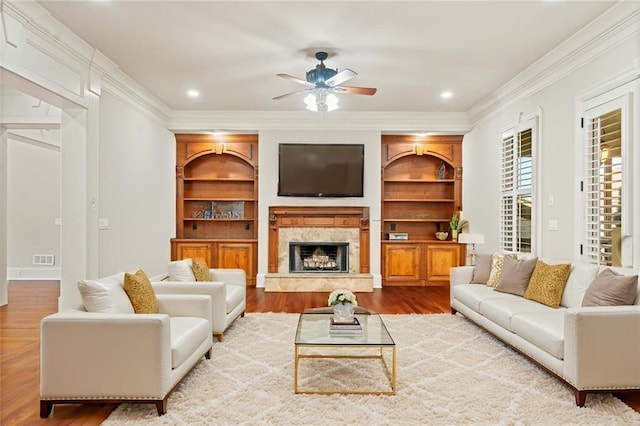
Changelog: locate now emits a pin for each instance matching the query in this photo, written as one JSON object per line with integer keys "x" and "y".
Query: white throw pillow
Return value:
{"x": 180, "y": 270}
{"x": 581, "y": 276}
{"x": 105, "y": 295}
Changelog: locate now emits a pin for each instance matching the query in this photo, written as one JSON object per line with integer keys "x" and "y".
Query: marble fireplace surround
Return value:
{"x": 318, "y": 224}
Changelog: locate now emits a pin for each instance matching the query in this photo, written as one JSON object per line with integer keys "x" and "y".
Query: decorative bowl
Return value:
{"x": 442, "y": 235}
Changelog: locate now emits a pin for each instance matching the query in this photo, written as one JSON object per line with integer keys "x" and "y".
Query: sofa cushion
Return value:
{"x": 547, "y": 283}
{"x": 235, "y": 296}
{"x": 544, "y": 329}
{"x": 105, "y": 295}
{"x": 201, "y": 270}
{"x": 582, "y": 274}
{"x": 180, "y": 270}
{"x": 611, "y": 289}
{"x": 501, "y": 311}
{"x": 141, "y": 293}
{"x": 482, "y": 269}
{"x": 187, "y": 333}
{"x": 497, "y": 263}
{"x": 516, "y": 275}
{"x": 472, "y": 294}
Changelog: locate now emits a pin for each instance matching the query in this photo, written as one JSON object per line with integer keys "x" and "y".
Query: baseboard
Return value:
{"x": 33, "y": 274}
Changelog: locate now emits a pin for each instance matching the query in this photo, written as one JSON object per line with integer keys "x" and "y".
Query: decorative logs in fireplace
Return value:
{"x": 318, "y": 257}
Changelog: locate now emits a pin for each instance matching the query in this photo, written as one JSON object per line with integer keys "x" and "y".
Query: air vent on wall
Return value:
{"x": 43, "y": 259}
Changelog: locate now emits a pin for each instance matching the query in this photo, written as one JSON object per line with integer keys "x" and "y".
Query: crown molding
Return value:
{"x": 98, "y": 71}
{"x": 618, "y": 24}
{"x": 184, "y": 121}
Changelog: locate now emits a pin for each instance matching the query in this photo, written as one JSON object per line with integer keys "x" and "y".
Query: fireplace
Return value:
{"x": 337, "y": 241}
{"x": 318, "y": 257}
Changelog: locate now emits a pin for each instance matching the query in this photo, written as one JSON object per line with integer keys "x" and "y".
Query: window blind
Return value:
{"x": 506, "y": 189}
{"x": 603, "y": 188}
{"x": 516, "y": 190}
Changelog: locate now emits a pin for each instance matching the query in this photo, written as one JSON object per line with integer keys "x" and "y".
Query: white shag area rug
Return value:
{"x": 450, "y": 372}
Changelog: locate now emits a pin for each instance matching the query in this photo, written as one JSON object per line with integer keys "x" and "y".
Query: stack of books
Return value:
{"x": 345, "y": 328}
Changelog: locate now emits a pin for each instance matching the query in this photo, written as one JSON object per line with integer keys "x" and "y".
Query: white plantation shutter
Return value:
{"x": 524, "y": 190}
{"x": 602, "y": 188}
{"x": 516, "y": 187}
{"x": 506, "y": 189}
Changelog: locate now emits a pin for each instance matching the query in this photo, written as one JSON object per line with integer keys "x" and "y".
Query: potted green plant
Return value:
{"x": 456, "y": 224}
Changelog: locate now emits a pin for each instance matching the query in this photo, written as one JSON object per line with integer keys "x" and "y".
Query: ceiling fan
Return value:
{"x": 322, "y": 82}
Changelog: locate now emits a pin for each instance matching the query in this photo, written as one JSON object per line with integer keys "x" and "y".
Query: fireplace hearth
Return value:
{"x": 318, "y": 257}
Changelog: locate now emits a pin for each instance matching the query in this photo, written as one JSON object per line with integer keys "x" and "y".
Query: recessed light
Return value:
{"x": 193, "y": 93}
{"x": 446, "y": 94}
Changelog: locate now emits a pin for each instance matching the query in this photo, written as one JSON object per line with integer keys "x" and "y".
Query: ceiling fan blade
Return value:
{"x": 292, "y": 93}
{"x": 355, "y": 90}
{"x": 297, "y": 80}
{"x": 341, "y": 77}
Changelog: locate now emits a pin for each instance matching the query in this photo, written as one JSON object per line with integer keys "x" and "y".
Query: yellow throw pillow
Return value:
{"x": 497, "y": 263}
{"x": 201, "y": 270}
{"x": 547, "y": 283}
{"x": 141, "y": 293}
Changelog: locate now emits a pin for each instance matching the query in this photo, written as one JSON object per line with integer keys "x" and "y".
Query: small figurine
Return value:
{"x": 441, "y": 170}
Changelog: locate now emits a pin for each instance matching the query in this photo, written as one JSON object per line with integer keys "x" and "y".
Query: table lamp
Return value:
{"x": 472, "y": 239}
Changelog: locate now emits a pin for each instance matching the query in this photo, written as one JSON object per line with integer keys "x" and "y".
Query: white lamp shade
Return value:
{"x": 466, "y": 238}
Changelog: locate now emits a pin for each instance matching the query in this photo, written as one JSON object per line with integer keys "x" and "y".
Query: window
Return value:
{"x": 517, "y": 188}
{"x": 607, "y": 146}
{"x": 603, "y": 185}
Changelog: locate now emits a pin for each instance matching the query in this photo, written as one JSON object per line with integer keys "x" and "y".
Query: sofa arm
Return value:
{"x": 229, "y": 276}
{"x": 99, "y": 355}
{"x": 461, "y": 275}
{"x": 602, "y": 347}
{"x": 214, "y": 289}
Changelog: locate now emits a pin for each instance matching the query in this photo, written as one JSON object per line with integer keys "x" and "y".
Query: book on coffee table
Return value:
{"x": 346, "y": 332}
{"x": 344, "y": 326}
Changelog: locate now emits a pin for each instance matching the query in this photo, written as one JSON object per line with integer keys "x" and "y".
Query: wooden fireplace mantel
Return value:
{"x": 318, "y": 217}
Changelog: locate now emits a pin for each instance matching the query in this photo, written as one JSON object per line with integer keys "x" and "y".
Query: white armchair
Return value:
{"x": 122, "y": 357}
{"x": 227, "y": 289}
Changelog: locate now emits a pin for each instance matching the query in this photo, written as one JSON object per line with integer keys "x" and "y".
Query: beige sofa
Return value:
{"x": 116, "y": 355}
{"x": 593, "y": 349}
{"x": 227, "y": 288}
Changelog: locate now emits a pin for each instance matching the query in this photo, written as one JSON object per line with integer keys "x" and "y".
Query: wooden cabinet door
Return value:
{"x": 237, "y": 255}
{"x": 193, "y": 250}
{"x": 440, "y": 259}
{"x": 401, "y": 264}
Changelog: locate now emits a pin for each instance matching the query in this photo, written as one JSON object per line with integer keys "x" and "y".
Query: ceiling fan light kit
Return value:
{"x": 322, "y": 83}
{"x": 321, "y": 100}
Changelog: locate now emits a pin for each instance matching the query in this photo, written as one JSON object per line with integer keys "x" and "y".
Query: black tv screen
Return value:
{"x": 320, "y": 170}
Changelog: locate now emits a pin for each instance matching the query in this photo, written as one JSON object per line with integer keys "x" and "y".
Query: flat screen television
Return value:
{"x": 320, "y": 170}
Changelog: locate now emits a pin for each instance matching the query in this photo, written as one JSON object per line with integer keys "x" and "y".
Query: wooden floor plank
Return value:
{"x": 31, "y": 301}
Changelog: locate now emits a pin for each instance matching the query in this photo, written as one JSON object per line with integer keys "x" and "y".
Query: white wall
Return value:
{"x": 268, "y": 185}
{"x": 481, "y": 155}
{"x": 33, "y": 205}
{"x": 137, "y": 189}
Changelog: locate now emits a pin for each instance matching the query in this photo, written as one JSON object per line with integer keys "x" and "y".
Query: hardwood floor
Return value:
{"x": 30, "y": 301}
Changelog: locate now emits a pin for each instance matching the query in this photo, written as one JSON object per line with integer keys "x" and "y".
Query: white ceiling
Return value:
{"x": 411, "y": 51}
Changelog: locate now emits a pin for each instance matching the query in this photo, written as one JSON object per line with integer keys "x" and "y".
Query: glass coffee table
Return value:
{"x": 315, "y": 341}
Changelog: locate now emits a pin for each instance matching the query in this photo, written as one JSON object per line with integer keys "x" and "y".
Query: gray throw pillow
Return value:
{"x": 516, "y": 275}
{"x": 611, "y": 289}
{"x": 482, "y": 270}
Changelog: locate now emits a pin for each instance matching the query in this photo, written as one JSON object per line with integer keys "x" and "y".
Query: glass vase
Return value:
{"x": 343, "y": 312}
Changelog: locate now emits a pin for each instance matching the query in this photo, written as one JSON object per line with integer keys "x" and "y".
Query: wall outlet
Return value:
{"x": 16, "y": 272}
